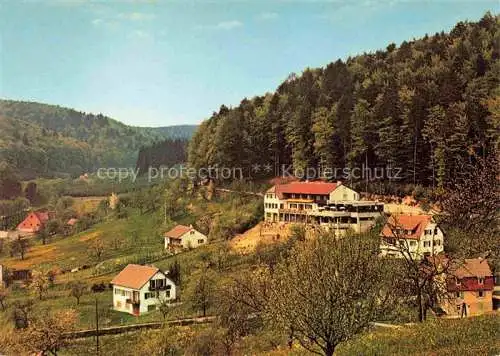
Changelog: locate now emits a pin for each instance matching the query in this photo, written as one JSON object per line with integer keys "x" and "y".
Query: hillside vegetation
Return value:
{"x": 39, "y": 139}
{"x": 424, "y": 106}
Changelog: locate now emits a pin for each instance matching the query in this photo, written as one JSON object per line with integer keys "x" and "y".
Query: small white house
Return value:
{"x": 184, "y": 237}
{"x": 139, "y": 289}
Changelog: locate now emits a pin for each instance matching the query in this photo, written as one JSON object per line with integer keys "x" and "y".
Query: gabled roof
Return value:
{"x": 134, "y": 276}
{"x": 315, "y": 188}
{"x": 415, "y": 223}
{"x": 42, "y": 216}
{"x": 178, "y": 231}
{"x": 473, "y": 267}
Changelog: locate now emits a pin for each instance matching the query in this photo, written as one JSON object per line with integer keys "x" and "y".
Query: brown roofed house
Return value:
{"x": 411, "y": 235}
{"x": 139, "y": 289}
{"x": 470, "y": 287}
{"x": 182, "y": 236}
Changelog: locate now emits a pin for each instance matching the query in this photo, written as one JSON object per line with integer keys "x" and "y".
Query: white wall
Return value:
{"x": 120, "y": 304}
{"x": 161, "y": 294}
{"x": 343, "y": 193}
{"x": 193, "y": 239}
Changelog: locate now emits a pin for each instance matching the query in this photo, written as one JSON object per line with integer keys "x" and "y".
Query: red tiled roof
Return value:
{"x": 178, "y": 231}
{"x": 134, "y": 276}
{"x": 43, "y": 217}
{"x": 316, "y": 188}
{"x": 415, "y": 223}
{"x": 473, "y": 267}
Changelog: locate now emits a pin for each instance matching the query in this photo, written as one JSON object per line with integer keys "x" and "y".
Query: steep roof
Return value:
{"x": 42, "y": 216}
{"x": 473, "y": 267}
{"x": 315, "y": 188}
{"x": 415, "y": 223}
{"x": 134, "y": 276}
{"x": 178, "y": 231}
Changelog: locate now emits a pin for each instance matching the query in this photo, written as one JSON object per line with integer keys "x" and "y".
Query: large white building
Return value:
{"x": 139, "y": 289}
{"x": 414, "y": 235}
{"x": 331, "y": 205}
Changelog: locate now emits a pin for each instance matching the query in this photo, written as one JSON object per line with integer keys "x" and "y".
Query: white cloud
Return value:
{"x": 141, "y": 34}
{"x": 136, "y": 16}
{"x": 266, "y": 16}
{"x": 228, "y": 25}
{"x": 96, "y": 22}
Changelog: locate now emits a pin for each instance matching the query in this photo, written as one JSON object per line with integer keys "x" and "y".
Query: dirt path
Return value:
{"x": 263, "y": 232}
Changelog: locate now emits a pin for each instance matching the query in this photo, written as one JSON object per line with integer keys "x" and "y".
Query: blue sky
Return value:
{"x": 158, "y": 63}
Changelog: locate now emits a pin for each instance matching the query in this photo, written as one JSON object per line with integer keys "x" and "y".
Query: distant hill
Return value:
{"x": 47, "y": 140}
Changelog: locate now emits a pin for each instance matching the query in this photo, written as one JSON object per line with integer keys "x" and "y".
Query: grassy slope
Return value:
{"x": 139, "y": 236}
{"x": 473, "y": 336}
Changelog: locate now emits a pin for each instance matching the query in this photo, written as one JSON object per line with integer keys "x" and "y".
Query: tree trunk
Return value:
{"x": 419, "y": 303}
{"x": 329, "y": 349}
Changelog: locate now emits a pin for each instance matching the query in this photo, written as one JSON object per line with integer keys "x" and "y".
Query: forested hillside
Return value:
{"x": 39, "y": 139}
{"x": 423, "y": 106}
{"x": 165, "y": 153}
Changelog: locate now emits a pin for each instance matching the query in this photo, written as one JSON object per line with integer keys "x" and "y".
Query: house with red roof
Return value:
{"x": 182, "y": 236}
{"x": 34, "y": 222}
{"x": 140, "y": 289}
{"x": 412, "y": 236}
{"x": 331, "y": 205}
{"x": 470, "y": 285}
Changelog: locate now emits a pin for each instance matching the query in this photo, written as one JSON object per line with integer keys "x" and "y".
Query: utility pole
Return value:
{"x": 96, "y": 327}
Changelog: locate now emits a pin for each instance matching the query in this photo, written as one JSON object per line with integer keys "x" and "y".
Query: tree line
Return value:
{"x": 425, "y": 107}
{"x": 167, "y": 153}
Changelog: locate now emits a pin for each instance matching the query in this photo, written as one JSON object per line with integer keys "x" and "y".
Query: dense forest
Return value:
{"x": 165, "y": 153}
{"x": 39, "y": 139}
{"x": 425, "y": 107}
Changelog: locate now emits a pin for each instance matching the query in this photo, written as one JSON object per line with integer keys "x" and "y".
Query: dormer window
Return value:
{"x": 480, "y": 280}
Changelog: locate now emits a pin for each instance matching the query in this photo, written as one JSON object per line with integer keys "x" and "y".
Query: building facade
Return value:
{"x": 470, "y": 288}
{"x": 415, "y": 235}
{"x": 333, "y": 206}
{"x": 182, "y": 236}
{"x": 140, "y": 289}
{"x": 33, "y": 223}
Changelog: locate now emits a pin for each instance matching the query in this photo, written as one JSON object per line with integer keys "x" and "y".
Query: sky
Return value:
{"x": 160, "y": 63}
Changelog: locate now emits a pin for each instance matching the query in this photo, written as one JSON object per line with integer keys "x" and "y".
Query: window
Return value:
{"x": 191, "y": 232}
{"x": 437, "y": 242}
{"x": 427, "y": 243}
{"x": 413, "y": 243}
{"x": 480, "y": 293}
{"x": 480, "y": 280}
{"x": 200, "y": 241}
{"x": 152, "y": 284}
{"x": 281, "y": 206}
{"x": 457, "y": 281}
